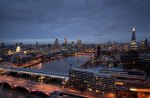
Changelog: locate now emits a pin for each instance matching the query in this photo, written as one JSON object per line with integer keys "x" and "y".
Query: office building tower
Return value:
{"x": 37, "y": 44}
{"x": 65, "y": 42}
{"x": 98, "y": 51}
{"x": 72, "y": 46}
{"x": 133, "y": 40}
{"x": 2, "y": 45}
{"x": 142, "y": 44}
{"x": 146, "y": 43}
{"x": 49, "y": 45}
{"x": 79, "y": 43}
{"x": 56, "y": 44}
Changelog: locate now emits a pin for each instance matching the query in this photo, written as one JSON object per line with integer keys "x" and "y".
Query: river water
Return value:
{"x": 59, "y": 66}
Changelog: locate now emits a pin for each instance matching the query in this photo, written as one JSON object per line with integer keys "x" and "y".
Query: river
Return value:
{"x": 60, "y": 66}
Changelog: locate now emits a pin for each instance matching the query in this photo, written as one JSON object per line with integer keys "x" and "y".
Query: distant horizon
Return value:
{"x": 62, "y": 41}
{"x": 89, "y": 20}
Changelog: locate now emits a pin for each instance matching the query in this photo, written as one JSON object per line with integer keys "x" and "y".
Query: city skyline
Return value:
{"x": 91, "y": 21}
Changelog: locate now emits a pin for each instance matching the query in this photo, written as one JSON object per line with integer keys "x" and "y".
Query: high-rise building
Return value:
{"x": 146, "y": 43}
{"x": 56, "y": 44}
{"x": 72, "y": 46}
{"x": 20, "y": 44}
{"x": 37, "y": 44}
{"x": 79, "y": 43}
{"x": 2, "y": 45}
{"x": 133, "y": 40}
{"x": 98, "y": 51}
{"x": 65, "y": 41}
{"x": 49, "y": 45}
{"x": 142, "y": 44}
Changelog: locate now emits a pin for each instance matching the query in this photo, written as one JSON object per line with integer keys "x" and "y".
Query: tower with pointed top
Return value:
{"x": 133, "y": 40}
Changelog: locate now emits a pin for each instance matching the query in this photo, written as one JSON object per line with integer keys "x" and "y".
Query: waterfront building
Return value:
{"x": 106, "y": 79}
{"x": 91, "y": 80}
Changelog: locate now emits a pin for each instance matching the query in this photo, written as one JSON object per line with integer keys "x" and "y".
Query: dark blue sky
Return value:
{"x": 88, "y": 20}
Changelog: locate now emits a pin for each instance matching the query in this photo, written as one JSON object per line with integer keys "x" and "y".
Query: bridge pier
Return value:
{"x": 30, "y": 90}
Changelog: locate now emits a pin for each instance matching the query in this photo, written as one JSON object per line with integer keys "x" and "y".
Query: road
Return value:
{"x": 40, "y": 87}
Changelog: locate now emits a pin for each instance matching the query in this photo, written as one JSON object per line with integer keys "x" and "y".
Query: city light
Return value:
{"x": 119, "y": 83}
{"x": 74, "y": 49}
{"x": 140, "y": 89}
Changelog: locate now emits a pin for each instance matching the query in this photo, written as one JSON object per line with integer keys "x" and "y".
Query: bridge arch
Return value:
{"x": 1, "y": 82}
{"x": 22, "y": 87}
{"x": 40, "y": 92}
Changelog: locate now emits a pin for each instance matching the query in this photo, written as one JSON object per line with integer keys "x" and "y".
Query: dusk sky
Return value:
{"x": 88, "y": 20}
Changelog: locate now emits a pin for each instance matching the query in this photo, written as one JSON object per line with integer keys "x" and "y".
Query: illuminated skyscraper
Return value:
{"x": 133, "y": 40}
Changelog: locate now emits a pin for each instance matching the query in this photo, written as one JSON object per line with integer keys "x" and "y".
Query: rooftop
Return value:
{"x": 108, "y": 71}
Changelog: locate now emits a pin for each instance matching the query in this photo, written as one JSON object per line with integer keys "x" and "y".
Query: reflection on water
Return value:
{"x": 8, "y": 92}
{"x": 62, "y": 65}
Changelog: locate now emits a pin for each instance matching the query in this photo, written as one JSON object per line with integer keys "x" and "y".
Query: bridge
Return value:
{"x": 46, "y": 89}
{"x": 34, "y": 72}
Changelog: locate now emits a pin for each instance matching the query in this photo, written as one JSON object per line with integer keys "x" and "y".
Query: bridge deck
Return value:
{"x": 35, "y": 72}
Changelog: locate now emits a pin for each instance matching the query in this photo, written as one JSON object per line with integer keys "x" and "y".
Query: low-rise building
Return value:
{"x": 106, "y": 79}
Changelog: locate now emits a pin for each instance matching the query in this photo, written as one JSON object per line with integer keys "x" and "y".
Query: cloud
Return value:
{"x": 93, "y": 20}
